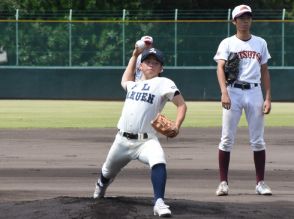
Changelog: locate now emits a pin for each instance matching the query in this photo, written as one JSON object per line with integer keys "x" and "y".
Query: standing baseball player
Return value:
{"x": 148, "y": 40}
{"x": 245, "y": 93}
{"x": 136, "y": 138}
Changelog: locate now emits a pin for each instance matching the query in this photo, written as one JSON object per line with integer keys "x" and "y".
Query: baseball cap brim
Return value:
{"x": 241, "y": 13}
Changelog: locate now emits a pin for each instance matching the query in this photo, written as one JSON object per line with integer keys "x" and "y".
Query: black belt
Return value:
{"x": 134, "y": 136}
{"x": 244, "y": 86}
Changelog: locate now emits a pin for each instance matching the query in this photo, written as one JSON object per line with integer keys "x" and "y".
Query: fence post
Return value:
{"x": 283, "y": 37}
{"x": 16, "y": 37}
{"x": 176, "y": 37}
{"x": 229, "y": 23}
{"x": 70, "y": 38}
{"x": 124, "y": 37}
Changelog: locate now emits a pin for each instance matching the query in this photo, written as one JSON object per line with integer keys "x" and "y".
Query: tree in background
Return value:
{"x": 53, "y": 5}
{"x": 98, "y": 44}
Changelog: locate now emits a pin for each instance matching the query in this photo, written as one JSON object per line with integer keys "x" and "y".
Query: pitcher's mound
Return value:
{"x": 139, "y": 207}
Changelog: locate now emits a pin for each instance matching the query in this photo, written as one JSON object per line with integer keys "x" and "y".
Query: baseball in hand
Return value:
{"x": 140, "y": 44}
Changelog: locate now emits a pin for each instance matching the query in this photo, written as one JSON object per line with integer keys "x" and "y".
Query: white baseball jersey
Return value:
{"x": 252, "y": 53}
{"x": 144, "y": 100}
{"x": 138, "y": 73}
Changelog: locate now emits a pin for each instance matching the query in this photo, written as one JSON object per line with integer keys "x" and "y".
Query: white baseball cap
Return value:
{"x": 148, "y": 39}
{"x": 241, "y": 9}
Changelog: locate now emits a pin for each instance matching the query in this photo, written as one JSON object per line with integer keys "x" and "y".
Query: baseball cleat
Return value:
{"x": 263, "y": 189}
{"x": 100, "y": 189}
{"x": 222, "y": 189}
{"x": 161, "y": 209}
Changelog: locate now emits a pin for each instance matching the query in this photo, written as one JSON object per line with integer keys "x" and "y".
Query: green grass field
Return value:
{"x": 100, "y": 114}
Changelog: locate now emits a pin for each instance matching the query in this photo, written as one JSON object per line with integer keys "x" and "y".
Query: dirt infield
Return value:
{"x": 50, "y": 173}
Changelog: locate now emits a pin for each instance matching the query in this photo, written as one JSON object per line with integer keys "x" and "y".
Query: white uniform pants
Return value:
{"x": 123, "y": 150}
{"x": 252, "y": 102}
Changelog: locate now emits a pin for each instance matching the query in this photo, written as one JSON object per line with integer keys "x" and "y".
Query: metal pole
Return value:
{"x": 16, "y": 37}
{"x": 283, "y": 37}
{"x": 229, "y": 23}
{"x": 70, "y": 38}
{"x": 124, "y": 37}
{"x": 176, "y": 37}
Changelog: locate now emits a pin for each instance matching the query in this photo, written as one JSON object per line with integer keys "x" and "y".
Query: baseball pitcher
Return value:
{"x": 136, "y": 138}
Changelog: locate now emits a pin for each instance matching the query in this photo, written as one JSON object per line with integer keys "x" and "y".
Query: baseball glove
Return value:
{"x": 232, "y": 68}
{"x": 165, "y": 126}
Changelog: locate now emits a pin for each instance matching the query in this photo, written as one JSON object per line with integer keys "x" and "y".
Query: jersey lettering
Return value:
{"x": 150, "y": 98}
{"x": 146, "y": 87}
{"x": 138, "y": 95}
{"x": 134, "y": 86}
{"x": 131, "y": 95}
{"x": 141, "y": 96}
{"x": 144, "y": 97}
{"x": 250, "y": 54}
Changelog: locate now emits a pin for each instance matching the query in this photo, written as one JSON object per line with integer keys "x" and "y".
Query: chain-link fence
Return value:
{"x": 187, "y": 38}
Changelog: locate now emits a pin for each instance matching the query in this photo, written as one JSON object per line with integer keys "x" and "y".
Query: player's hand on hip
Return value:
{"x": 226, "y": 101}
{"x": 267, "y": 107}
